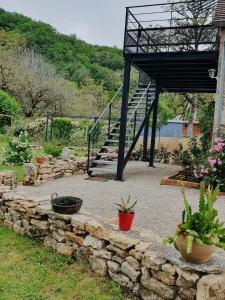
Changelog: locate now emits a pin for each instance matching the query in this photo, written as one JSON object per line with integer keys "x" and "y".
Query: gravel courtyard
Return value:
{"x": 158, "y": 209}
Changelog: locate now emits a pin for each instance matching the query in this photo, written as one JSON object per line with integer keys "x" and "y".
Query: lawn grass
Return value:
{"x": 31, "y": 271}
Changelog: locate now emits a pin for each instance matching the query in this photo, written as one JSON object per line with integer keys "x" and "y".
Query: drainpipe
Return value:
{"x": 221, "y": 95}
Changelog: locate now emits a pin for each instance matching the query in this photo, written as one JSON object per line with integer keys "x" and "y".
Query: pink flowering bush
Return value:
{"x": 214, "y": 170}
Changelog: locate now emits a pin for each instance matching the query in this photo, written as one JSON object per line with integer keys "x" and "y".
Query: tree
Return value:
{"x": 34, "y": 83}
{"x": 91, "y": 98}
{"x": 8, "y": 108}
{"x": 191, "y": 39}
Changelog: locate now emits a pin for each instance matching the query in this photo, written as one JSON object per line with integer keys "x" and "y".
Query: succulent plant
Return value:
{"x": 202, "y": 227}
{"x": 125, "y": 206}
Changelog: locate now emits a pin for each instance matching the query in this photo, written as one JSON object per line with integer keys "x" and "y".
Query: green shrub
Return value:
{"x": 62, "y": 130}
{"x": 193, "y": 156}
{"x": 35, "y": 128}
{"x": 8, "y": 106}
{"x": 95, "y": 133}
{"x": 53, "y": 150}
{"x": 18, "y": 151}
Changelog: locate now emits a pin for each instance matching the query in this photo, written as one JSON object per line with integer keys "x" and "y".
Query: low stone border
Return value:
{"x": 135, "y": 265}
{"x": 189, "y": 184}
{"x": 52, "y": 168}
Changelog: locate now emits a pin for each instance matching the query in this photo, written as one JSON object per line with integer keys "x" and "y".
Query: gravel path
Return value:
{"x": 158, "y": 209}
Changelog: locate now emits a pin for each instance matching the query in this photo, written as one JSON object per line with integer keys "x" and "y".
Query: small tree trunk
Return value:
{"x": 191, "y": 120}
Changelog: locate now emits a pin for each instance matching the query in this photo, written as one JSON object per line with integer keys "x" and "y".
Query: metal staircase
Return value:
{"x": 140, "y": 104}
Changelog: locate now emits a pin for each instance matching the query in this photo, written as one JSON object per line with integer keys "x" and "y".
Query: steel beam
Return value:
{"x": 154, "y": 127}
{"x": 146, "y": 131}
{"x": 123, "y": 120}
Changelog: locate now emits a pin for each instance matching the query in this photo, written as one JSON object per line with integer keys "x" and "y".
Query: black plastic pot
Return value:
{"x": 66, "y": 204}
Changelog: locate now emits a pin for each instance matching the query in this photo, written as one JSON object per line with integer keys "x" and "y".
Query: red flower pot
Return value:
{"x": 40, "y": 160}
{"x": 125, "y": 220}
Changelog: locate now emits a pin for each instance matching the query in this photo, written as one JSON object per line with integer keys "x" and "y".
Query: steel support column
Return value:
{"x": 123, "y": 120}
{"x": 154, "y": 128}
{"x": 145, "y": 142}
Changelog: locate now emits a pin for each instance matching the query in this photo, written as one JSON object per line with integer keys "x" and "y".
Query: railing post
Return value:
{"x": 109, "y": 120}
{"x": 146, "y": 130}
{"x": 135, "y": 121}
{"x": 46, "y": 128}
{"x": 154, "y": 127}
{"x": 125, "y": 30}
{"x": 123, "y": 120}
{"x": 89, "y": 148}
{"x": 138, "y": 37}
{"x": 51, "y": 128}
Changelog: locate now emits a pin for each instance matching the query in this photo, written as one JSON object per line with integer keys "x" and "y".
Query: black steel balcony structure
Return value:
{"x": 173, "y": 44}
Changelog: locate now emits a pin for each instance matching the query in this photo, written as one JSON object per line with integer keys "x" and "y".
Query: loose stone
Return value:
{"x": 93, "y": 242}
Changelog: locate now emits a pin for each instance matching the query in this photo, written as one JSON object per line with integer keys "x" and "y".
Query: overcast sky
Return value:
{"x": 95, "y": 21}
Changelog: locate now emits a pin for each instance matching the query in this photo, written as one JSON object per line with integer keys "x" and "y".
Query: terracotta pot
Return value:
{"x": 40, "y": 160}
{"x": 200, "y": 253}
{"x": 125, "y": 220}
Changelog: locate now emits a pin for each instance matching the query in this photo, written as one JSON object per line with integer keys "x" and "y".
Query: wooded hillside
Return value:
{"x": 75, "y": 59}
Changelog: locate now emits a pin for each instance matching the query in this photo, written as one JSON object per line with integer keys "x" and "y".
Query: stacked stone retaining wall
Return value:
{"x": 132, "y": 263}
{"x": 51, "y": 169}
{"x": 8, "y": 181}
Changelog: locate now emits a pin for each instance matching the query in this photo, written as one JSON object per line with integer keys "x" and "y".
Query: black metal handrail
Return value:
{"x": 167, "y": 27}
{"x": 107, "y": 119}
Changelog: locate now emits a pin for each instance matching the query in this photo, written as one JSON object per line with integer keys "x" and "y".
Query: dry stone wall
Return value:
{"x": 8, "y": 181}
{"x": 131, "y": 263}
{"x": 51, "y": 169}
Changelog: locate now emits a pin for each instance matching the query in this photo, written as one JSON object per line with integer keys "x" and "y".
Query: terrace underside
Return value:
{"x": 179, "y": 72}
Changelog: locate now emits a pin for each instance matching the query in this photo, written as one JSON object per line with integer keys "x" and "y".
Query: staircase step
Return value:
{"x": 117, "y": 134}
{"x": 117, "y": 141}
{"x": 107, "y": 155}
{"x": 110, "y": 147}
{"x": 113, "y": 147}
{"x": 104, "y": 162}
{"x": 102, "y": 170}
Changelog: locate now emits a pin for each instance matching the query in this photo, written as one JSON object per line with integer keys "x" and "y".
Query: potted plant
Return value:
{"x": 40, "y": 160}
{"x": 126, "y": 214}
{"x": 200, "y": 232}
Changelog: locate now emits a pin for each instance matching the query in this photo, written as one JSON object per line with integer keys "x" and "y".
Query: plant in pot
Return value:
{"x": 40, "y": 160}
{"x": 200, "y": 232}
{"x": 126, "y": 214}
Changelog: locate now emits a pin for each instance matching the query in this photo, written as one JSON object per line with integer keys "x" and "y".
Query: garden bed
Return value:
{"x": 178, "y": 179}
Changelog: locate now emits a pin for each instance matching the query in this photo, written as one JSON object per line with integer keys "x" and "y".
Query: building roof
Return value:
{"x": 219, "y": 16}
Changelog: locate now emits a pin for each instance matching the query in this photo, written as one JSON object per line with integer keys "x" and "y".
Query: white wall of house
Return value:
{"x": 220, "y": 128}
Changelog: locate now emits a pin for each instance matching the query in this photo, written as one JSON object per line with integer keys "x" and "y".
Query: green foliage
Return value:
{"x": 202, "y": 227}
{"x": 18, "y": 151}
{"x": 95, "y": 133}
{"x": 19, "y": 171}
{"x": 53, "y": 149}
{"x": 205, "y": 117}
{"x": 75, "y": 59}
{"x": 9, "y": 40}
{"x": 193, "y": 156}
{"x": 126, "y": 207}
{"x": 62, "y": 129}
{"x": 165, "y": 110}
{"x": 34, "y": 127}
{"x": 8, "y": 106}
